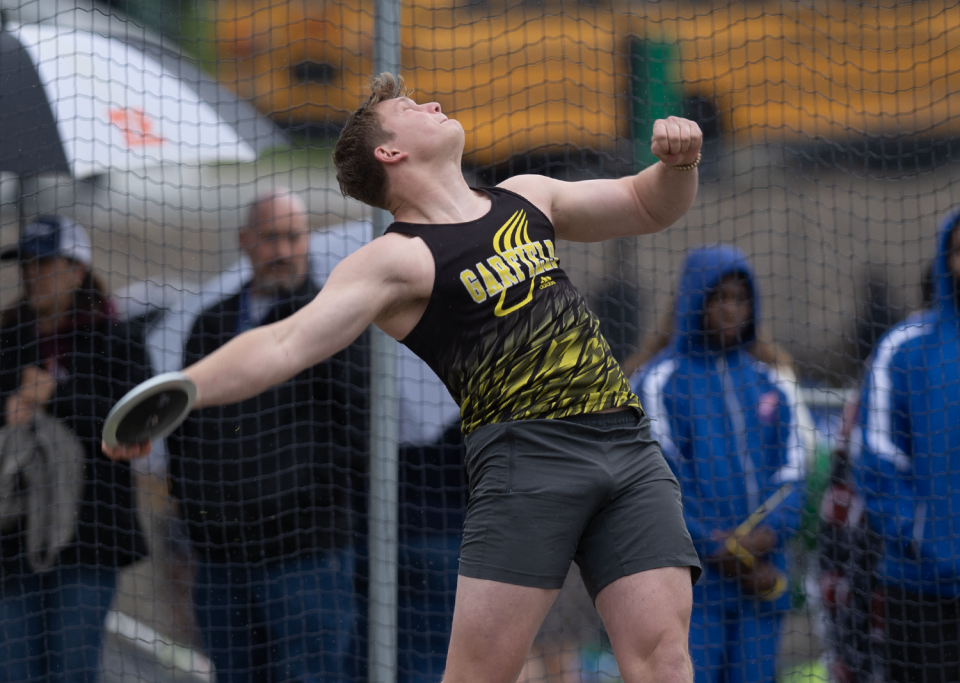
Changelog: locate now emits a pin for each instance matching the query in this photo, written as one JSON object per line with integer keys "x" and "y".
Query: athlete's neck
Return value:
{"x": 421, "y": 198}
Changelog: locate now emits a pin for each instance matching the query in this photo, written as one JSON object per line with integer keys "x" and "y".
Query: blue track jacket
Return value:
{"x": 726, "y": 424}
{"x": 908, "y": 467}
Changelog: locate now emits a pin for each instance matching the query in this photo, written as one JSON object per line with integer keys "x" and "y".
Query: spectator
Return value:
{"x": 907, "y": 472}
{"x": 266, "y": 484}
{"x": 728, "y": 425}
{"x": 63, "y": 353}
{"x": 849, "y": 548}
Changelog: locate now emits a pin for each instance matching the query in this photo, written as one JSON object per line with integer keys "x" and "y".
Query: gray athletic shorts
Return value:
{"x": 594, "y": 489}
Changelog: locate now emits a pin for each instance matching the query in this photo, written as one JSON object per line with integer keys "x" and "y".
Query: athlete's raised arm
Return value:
{"x": 386, "y": 283}
{"x": 654, "y": 199}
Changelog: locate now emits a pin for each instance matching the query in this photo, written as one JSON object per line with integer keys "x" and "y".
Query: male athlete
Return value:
{"x": 561, "y": 462}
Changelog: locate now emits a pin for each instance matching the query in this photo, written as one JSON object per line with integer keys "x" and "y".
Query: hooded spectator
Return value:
{"x": 908, "y": 471}
{"x": 728, "y": 425}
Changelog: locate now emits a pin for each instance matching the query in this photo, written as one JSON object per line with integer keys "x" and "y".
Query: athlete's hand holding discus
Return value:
{"x": 127, "y": 451}
{"x": 389, "y": 282}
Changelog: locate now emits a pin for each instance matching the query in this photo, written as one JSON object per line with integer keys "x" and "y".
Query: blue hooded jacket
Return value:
{"x": 726, "y": 424}
{"x": 908, "y": 467}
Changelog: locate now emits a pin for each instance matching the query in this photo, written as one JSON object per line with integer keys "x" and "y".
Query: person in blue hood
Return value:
{"x": 908, "y": 470}
{"x": 727, "y": 424}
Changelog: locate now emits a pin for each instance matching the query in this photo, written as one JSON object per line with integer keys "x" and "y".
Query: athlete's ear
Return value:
{"x": 389, "y": 155}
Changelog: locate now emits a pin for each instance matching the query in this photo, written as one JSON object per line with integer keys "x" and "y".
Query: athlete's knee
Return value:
{"x": 666, "y": 659}
{"x": 671, "y": 663}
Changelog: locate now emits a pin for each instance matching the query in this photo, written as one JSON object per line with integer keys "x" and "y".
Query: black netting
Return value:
{"x": 167, "y": 183}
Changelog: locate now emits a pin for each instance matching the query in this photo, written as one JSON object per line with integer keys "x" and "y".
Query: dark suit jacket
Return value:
{"x": 278, "y": 474}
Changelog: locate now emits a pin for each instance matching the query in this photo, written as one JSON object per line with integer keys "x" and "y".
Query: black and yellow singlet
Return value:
{"x": 505, "y": 329}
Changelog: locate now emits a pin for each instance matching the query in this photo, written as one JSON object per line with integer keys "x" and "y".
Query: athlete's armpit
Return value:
{"x": 397, "y": 272}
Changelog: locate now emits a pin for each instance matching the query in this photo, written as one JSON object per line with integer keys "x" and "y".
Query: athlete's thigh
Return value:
{"x": 647, "y": 616}
{"x": 494, "y": 625}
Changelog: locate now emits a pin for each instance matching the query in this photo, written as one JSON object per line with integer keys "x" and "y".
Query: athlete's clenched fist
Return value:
{"x": 676, "y": 141}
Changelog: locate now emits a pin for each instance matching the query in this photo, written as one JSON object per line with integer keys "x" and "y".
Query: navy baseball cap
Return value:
{"x": 51, "y": 236}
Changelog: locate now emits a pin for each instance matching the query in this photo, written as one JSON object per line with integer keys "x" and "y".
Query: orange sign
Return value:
{"x": 137, "y": 129}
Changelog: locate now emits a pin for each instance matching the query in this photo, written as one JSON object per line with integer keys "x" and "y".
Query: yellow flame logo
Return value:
{"x": 509, "y": 238}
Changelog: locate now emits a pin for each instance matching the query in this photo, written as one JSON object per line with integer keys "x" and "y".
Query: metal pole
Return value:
{"x": 384, "y": 497}
{"x": 383, "y": 511}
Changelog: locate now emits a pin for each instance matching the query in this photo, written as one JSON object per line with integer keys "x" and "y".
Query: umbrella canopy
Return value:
{"x": 78, "y": 102}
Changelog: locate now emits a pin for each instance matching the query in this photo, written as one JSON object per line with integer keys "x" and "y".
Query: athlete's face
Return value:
{"x": 729, "y": 310}
{"x": 422, "y": 131}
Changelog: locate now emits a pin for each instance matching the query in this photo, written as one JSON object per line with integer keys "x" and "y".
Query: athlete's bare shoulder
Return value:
{"x": 536, "y": 189}
{"x": 398, "y": 257}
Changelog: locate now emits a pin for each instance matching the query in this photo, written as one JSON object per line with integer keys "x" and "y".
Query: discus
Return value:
{"x": 150, "y": 410}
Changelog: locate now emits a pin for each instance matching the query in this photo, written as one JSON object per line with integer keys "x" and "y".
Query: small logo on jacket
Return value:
{"x": 768, "y": 406}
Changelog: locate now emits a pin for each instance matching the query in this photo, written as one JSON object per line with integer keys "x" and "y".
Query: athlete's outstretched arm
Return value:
{"x": 373, "y": 285}
{"x": 266, "y": 356}
{"x": 654, "y": 199}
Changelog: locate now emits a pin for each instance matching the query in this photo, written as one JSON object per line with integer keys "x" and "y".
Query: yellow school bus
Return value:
{"x": 557, "y": 75}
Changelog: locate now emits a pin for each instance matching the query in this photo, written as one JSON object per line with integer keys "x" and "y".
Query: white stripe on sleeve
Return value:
{"x": 879, "y": 429}
{"x": 795, "y": 466}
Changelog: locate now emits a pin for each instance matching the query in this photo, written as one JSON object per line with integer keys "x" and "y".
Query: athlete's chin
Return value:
{"x": 452, "y": 143}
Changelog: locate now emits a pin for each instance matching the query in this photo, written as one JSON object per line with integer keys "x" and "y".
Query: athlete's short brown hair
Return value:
{"x": 359, "y": 173}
